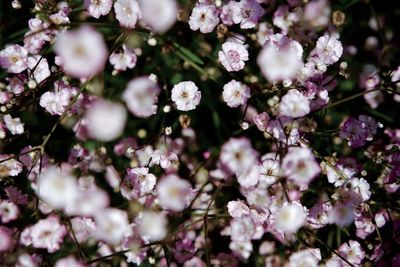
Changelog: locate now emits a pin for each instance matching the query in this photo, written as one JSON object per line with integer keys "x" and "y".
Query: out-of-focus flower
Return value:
{"x": 294, "y": 104}
{"x": 111, "y": 225}
{"x": 14, "y": 125}
{"x": 186, "y": 95}
{"x": 82, "y": 52}
{"x": 342, "y": 214}
{"x": 159, "y": 15}
{"x": 127, "y": 12}
{"x": 56, "y": 188}
{"x": 68, "y": 262}
{"x": 106, "y": 120}
{"x": 235, "y": 93}
{"x": 317, "y": 13}
{"x": 140, "y": 96}
{"x": 6, "y": 237}
{"x": 8, "y": 211}
{"x": 152, "y": 226}
{"x": 126, "y": 59}
{"x": 308, "y": 257}
{"x": 238, "y": 156}
{"x": 204, "y": 18}
{"x": 98, "y": 8}
{"x": 14, "y": 58}
{"x": 290, "y": 217}
{"x": 300, "y": 166}
{"x": 281, "y": 58}
{"x": 233, "y": 55}
{"x": 173, "y": 192}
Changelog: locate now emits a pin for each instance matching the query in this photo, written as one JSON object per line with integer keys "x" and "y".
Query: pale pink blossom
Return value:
{"x": 269, "y": 171}
{"x": 280, "y": 59}
{"x": 82, "y": 52}
{"x": 308, "y": 257}
{"x": 12, "y": 166}
{"x": 14, "y": 125}
{"x": 352, "y": 251}
{"x": 8, "y": 211}
{"x": 294, "y": 104}
{"x": 39, "y": 68}
{"x": 328, "y": 50}
{"x": 48, "y": 233}
{"x": 242, "y": 249}
{"x": 83, "y": 228}
{"x": 111, "y": 225}
{"x": 126, "y": 59}
{"x": 238, "y": 209}
{"x": 152, "y": 226}
{"x": 317, "y": 13}
{"x": 173, "y": 192}
{"x": 233, "y": 56}
{"x": 14, "y": 58}
{"x": 69, "y": 261}
{"x": 140, "y": 96}
{"x": 186, "y": 95}
{"x": 142, "y": 181}
{"x": 106, "y": 120}
{"x": 290, "y": 217}
{"x": 247, "y": 13}
{"x": 98, "y": 8}
{"x": 57, "y": 101}
{"x": 235, "y": 93}
{"x": 204, "y": 18}
{"x": 261, "y": 121}
{"x": 6, "y": 238}
{"x": 342, "y": 214}
{"x": 127, "y": 12}
{"x": 238, "y": 156}
{"x": 159, "y": 15}
{"x": 300, "y": 166}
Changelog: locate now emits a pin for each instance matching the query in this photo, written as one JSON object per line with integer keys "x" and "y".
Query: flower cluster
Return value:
{"x": 199, "y": 133}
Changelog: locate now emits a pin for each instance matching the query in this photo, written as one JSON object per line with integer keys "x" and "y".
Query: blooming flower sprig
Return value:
{"x": 206, "y": 133}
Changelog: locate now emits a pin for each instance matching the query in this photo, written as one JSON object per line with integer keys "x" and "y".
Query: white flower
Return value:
{"x": 111, "y": 225}
{"x": 40, "y": 68}
{"x": 15, "y": 126}
{"x": 159, "y": 15}
{"x": 294, "y": 104}
{"x": 106, "y": 120}
{"x": 127, "y": 12}
{"x": 14, "y": 58}
{"x": 82, "y": 52}
{"x": 186, "y": 95}
{"x": 280, "y": 59}
{"x": 237, "y": 209}
{"x": 242, "y": 228}
{"x": 48, "y": 233}
{"x": 250, "y": 178}
{"x": 8, "y": 211}
{"x": 173, "y": 192}
{"x": 123, "y": 60}
{"x": 352, "y": 251}
{"x": 339, "y": 174}
{"x": 269, "y": 171}
{"x": 290, "y": 217}
{"x": 328, "y": 50}
{"x": 233, "y": 55}
{"x": 204, "y": 17}
{"x": 144, "y": 180}
{"x": 360, "y": 187}
{"x": 300, "y": 166}
{"x": 235, "y": 93}
{"x": 247, "y": 13}
{"x": 56, "y": 188}
{"x": 98, "y": 8}
{"x": 152, "y": 226}
{"x": 308, "y": 257}
{"x": 243, "y": 249}
{"x": 140, "y": 96}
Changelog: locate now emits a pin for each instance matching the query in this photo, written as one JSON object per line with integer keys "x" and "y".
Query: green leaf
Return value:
{"x": 189, "y": 55}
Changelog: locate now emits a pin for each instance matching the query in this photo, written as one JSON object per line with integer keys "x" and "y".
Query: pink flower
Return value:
{"x": 16, "y": 196}
{"x": 186, "y": 95}
{"x": 352, "y": 251}
{"x": 140, "y": 96}
{"x": 294, "y": 104}
{"x": 112, "y": 225}
{"x": 98, "y": 8}
{"x": 173, "y": 192}
{"x": 237, "y": 209}
{"x": 123, "y": 60}
{"x": 247, "y": 13}
{"x": 40, "y": 68}
{"x": 48, "y": 233}
{"x": 280, "y": 59}
{"x": 226, "y": 13}
{"x": 12, "y": 166}
{"x": 142, "y": 181}
{"x": 8, "y": 211}
{"x": 68, "y": 262}
{"x": 269, "y": 171}
{"x": 15, "y": 126}
{"x": 355, "y": 131}
{"x": 14, "y": 58}
{"x": 57, "y": 101}
{"x": 106, "y": 120}
{"x": 127, "y": 12}
{"x": 238, "y": 156}
{"x": 233, "y": 55}
{"x": 82, "y": 52}
{"x": 342, "y": 214}
{"x": 262, "y": 121}
{"x": 284, "y": 19}
{"x": 328, "y": 50}
{"x": 300, "y": 166}
{"x": 204, "y": 18}
{"x": 6, "y": 237}
{"x": 159, "y": 15}
{"x": 236, "y": 93}
{"x": 317, "y": 13}
{"x": 83, "y": 228}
